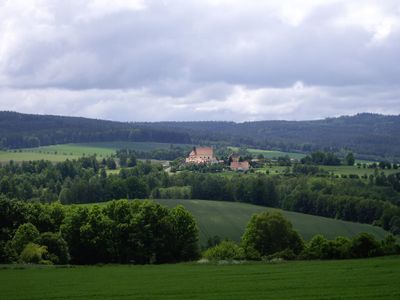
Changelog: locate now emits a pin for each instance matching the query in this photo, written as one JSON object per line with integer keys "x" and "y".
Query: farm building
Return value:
{"x": 201, "y": 155}
{"x": 237, "y": 165}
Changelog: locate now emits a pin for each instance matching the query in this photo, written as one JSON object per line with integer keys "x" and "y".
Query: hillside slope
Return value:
{"x": 229, "y": 219}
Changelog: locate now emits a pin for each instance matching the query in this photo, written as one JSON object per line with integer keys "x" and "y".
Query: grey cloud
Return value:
{"x": 238, "y": 103}
{"x": 198, "y": 60}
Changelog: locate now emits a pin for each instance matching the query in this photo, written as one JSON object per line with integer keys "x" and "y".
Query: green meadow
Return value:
{"x": 229, "y": 219}
{"x": 19, "y": 156}
{"x": 62, "y": 152}
{"x": 375, "y": 278}
{"x": 348, "y": 170}
{"x": 335, "y": 170}
{"x": 271, "y": 154}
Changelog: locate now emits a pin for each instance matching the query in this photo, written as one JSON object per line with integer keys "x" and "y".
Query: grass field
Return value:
{"x": 62, "y": 152}
{"x": 347, "y": 170}
{"x": 272, "y": 154}
{"x": 229, "y": 219}
{"x": 347, "y": 279}
{"x": 6, "y": 156}
{"x": 336, "y": 170}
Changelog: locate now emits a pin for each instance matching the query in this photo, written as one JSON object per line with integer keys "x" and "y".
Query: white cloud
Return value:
{"x": 377, "y": 19}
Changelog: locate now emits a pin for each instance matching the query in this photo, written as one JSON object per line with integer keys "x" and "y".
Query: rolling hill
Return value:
{"x": 371, "y": 136}
{"x": 229, "y": 219}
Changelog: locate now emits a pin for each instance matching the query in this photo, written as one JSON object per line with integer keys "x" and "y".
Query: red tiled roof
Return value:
{"x": 243, "y": 165}
{"x": 204, "y": 151}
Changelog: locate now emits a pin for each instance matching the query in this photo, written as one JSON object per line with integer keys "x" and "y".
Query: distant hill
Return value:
{"x": 24, "y": 130}
{"x": 369, "y": 135}
{"x": 229, "y": 219}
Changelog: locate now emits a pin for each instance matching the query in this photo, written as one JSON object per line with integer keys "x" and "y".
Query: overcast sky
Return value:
{"x": 134, "y": 60}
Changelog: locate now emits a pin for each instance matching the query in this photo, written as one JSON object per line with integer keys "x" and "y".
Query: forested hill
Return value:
{"x": 366, "y": 134}
{"x": 23, "y": 130}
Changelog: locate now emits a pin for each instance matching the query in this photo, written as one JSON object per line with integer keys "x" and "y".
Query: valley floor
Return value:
{"x": 347, "y": 279}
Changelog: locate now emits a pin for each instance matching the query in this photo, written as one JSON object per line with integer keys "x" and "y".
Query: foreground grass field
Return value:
{"x": 229, "y": 219}
{"x": 347, "y": 279}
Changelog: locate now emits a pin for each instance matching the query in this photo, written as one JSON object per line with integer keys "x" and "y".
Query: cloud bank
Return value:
{"x": 138, "y": 60}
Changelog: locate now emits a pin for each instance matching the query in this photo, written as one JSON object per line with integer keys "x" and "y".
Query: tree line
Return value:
{"x": 119, "y": 232}
{"x": 128, "y": 157}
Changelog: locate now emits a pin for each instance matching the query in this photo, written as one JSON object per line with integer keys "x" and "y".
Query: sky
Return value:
{"x": 179, "y": 60}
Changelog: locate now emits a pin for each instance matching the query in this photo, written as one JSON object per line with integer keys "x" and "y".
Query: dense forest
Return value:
{"x": 369, "y": 136}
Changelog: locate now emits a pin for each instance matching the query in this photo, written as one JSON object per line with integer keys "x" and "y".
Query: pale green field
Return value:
{"x": 336, "y": 170}
{"x": 57, "y": 153}
{"x": 6, "y": 156}
{"x": 347, "y": 170}
{"x": 272, "y": 154}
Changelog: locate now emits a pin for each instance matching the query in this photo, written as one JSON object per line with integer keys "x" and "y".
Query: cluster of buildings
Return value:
{"x": 205, "y": 155}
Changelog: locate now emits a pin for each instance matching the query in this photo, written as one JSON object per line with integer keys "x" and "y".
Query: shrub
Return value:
{"x": 389, "y": 245}
{"x": 321, "y": 248}
{"x": 57, "y": 247}
{"x": 25, "y": 234}
{"x": 339, "y": 248}
{"x": 268, "y": 233}
{"x": 34, "y": 253}
{"x": 286, "y": 254}
{"x": 315, "y": 248}
{"x": 365, "y": 245}
{"x": 173, "y": 192}
{"x": 226, "y": 250}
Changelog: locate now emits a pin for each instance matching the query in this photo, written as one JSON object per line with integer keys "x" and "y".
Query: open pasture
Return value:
{"x": 17, "y": 156}
{"x": 271, "y": 154}
{"x": 354, "y": 170}
{"x": 62, "y": 152}
{"x": 335, "y": 170}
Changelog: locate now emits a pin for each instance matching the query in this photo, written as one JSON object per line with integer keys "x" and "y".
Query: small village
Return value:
{"x": 205, "y": 155}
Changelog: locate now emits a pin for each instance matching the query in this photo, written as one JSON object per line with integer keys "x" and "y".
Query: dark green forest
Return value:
{"x": 369, "y": 136}
{"x": 26, "y": 131}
